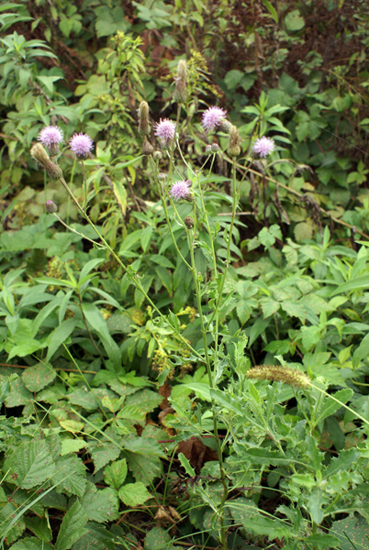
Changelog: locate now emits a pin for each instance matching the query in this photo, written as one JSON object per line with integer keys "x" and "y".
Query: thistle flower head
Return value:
{"x": 263, "y": 146}
{"x": 165, "y": 130}
{"x": 277, "y": 373}
{"x": 40, "y": 155}
{"x": 180, "y": 90}
{"x": 234, "y": 148}
{"x": 212, "y": 117}
{"x": 143, "y": 119}
{"x": 51, "y": 207}
{"x": 81, "y": 144}
{"x": 180, "y": 190}
{"x": 51, "y": 136}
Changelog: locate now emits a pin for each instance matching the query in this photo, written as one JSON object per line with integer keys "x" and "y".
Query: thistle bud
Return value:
{"x": 208, "y": 149}
{"x": 215, "y": 148}
{"x": 54, "y": 150}
{"x": 225, "y": 126}
{"x": 234, "y": 148}
{"x": 51, "y": 207}
{"x": 147, "y": 148}
{"x": 143, "y": 122}
{"x": 162, "y": 177}
{"x": 180, "y": 90}
{"x": 158, "y": 155}
{"x": 189, "y": 223}
{"x": 39, "y": 154}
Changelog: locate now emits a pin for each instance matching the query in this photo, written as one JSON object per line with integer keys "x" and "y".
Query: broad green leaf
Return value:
{"x": 39, "y": 527}
{"x": 294, "y": 21}
{"x": 323, "y": 541}
{"x": 31, "y": 543}
{"x": 70, "y": 474}
{"x": 358, "y": 283}
{"x": 355, "y": 529}
{"x": 97, "y": 537}
{"x": 100, "y": 505}
{"x": 72, "y": 446}
{"x": 145, "y": 468}
{"x": 116, "y": 473}
{"x": 30, "y": 464}
{"x": 59, "y": 336}
{"x": 314, "y": 505}
{"x": 103, "y": 452}
{"x": 38, "y": 377}
{"x": 72, "y": 527}
{"x": 134, "y": 494}
{"x": 157, "y": 539}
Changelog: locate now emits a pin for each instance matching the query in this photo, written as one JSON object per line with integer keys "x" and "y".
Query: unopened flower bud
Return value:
{"x": 180, "y": 90}
{"x": 234, "y": 148}
{"x": 51, "y": 207}
{"x": 162, "y": 177}
{"x": 189, "y": 223}
{"x": 158, "y": 155}
{"x": 40, "y": 155}
{"x": 54, "y": 150}
{"x": 225, "y": 126}
{"x": 215, "y": 148}
{"x": 208, "y": 149}
{"x": 143, "y": 123}
{"x": 147, "y": 148}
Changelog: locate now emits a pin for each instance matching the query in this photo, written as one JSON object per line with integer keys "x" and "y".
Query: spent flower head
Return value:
{"x": 212, "y": 118}
{"x": 81, "y": 144}
{"x": 180, "y": 190}
{"x": 263, "y": 146}
{"x": 165, "y": 130}
{"x": 277, "y": 373}
{"x": 40, "y": 155}
{"x": 51, "y": 135}
{"x": 180, "y": 90}
{"x": 51, "y": 207}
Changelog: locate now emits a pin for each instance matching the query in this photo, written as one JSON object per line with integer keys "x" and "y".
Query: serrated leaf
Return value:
{"x": 103, "y": 452}
{"x": 72, "y": 527}
{"x": 72, "y": 426}
{"x": 19, "y": 395}
{"x": 116, "y": 473}
{"x": 31, "y": 543}
{"x": 351, "y": 528}
{"x": 72, "y": 446}
{"x": 39, "y": 527}
{"x": 157, "y": 539}
{"x": 38, "y": 377}
{"x": 30, "y": 464}
{"x": 145, "y": 468}
{"x": 146, "y": 400}
{"x": 294, "y": 309}
{"x": 134, "y": 494}
{"x": 96, "y": 538}
{"x": 84, "y": 398}
{"x": 100, "y": 505}
{"x": 70, "y": 473}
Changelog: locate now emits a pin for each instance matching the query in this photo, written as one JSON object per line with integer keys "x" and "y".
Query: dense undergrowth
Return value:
{"x": 136, "y": 410}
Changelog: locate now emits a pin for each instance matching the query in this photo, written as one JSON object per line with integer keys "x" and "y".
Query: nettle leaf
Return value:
{"x": 145, "y": 468}
{"x": 19, "y": 395}
{"x": 84, "y": 398}
{"x": 72, "y": 446}
{"x": 145, "y": 400}
{"x": 7, "y": 515}
{"x": 70, "y": 473}
{"x": 103, "y": 452}
{"x": 31, "y": 543}
{"x": 100, "y": 505}
{"x": 39, "y": 527}
{"x": 134, "y": 494}
{"x": 30, "y": 464}
{"x": 116, "y": 473}
{"x": 157, "y": 539}
{"x": 72, "y": 527}
{"x": 96, "y": 538}
{"x": 37, "y": 378}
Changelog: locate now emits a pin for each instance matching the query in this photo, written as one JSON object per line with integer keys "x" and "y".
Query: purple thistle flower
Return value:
{"x": 263, "y": 146}
{"x": 165, "y": 130}
{"x": 50, "y": 136}
{"x": 81, "y": 144}
{"x": 212, "y": 117}
{"x": 180, "y": 190}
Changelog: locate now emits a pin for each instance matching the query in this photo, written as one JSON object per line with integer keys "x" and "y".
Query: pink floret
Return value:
{"x": 212, "y": 117}
{"x": 263, "y": 146}
{"x": 81, "y": 144}
{"x": 180, "y": 190}
{"x": 165, "y": 130}
{"x": 51, "y": 135}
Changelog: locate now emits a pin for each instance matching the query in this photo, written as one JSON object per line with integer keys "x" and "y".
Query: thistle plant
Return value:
{"x": 173, "y": 189}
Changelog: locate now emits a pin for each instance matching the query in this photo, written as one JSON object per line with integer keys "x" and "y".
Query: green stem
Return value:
{"x": 133, "y": 277}
{"x": 211, "y": 385}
